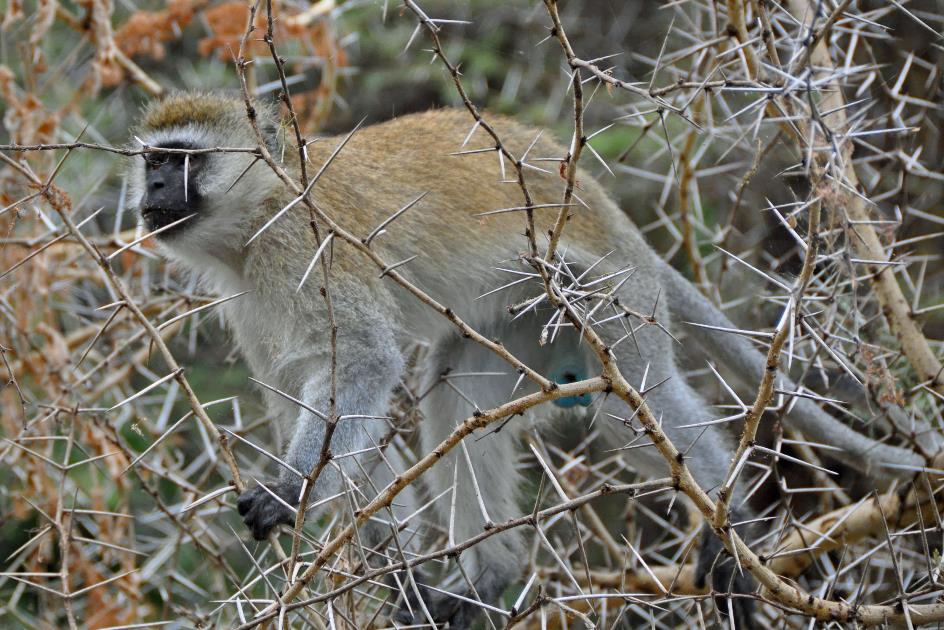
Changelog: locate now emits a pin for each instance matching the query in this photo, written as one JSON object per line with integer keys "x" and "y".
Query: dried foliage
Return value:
{"x": 786, "y": 156}
{"x": 144, "y": 32}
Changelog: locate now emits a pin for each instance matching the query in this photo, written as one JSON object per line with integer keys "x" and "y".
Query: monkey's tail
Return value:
{"x": 687, "y": 304}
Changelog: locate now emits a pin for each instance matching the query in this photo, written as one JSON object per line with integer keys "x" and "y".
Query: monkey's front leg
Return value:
{"x": 365, "y": 381}
{"x": 275, "y": 502}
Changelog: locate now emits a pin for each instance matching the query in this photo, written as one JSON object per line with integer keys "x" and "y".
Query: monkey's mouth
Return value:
{"x": 169, "y": 220}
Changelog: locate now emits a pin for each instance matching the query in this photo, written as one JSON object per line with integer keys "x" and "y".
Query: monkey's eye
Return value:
{"x": 155, "y": 160}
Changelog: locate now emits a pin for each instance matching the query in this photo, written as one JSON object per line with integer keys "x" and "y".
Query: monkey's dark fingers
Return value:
{"x": 245, "y": 501}
{"x": 410, "y": 612}
{"x": 741, "y": 608}
{"x": 727, "y": 580}
{"x": 261, "y": 511}
{"x": 458, "y": 613}
{"x": 464, "y": 615}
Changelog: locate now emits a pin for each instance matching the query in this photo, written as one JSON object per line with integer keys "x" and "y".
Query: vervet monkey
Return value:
{"x": 281, "y": 324}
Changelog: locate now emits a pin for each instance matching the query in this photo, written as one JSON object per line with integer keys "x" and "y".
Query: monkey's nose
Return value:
{"x": 157, "y": 184}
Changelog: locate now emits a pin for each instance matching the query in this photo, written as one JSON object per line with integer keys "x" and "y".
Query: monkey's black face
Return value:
{"x": 170, "y": 193}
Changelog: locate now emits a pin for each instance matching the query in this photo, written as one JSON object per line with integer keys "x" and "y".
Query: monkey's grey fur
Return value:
{"x": 283, "y": 334}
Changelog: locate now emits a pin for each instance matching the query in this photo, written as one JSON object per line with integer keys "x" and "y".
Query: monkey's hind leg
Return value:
{"x": 482, "y": 475}
{"x": 707, "y": 452}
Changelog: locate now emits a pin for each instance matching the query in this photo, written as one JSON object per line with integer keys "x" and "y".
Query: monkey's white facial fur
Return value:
{"x": 204, "y": 201}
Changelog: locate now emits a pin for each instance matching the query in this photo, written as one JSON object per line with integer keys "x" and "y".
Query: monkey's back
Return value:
{"x": 463, "y": 175}
{"x": 386, "y": 166}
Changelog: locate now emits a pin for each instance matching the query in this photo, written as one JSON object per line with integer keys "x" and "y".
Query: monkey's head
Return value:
{"x": 213, "y": 195}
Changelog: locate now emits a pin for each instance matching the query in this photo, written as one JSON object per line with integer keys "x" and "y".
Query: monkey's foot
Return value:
{"x": 726, "y": 580}
{"x": 261, "y": 511}
{"x": 459, "y": 614}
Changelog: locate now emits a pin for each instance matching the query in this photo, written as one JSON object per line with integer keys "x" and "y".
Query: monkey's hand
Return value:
{"x": 261, "y": 510}
{"x": 726, "y": 578}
